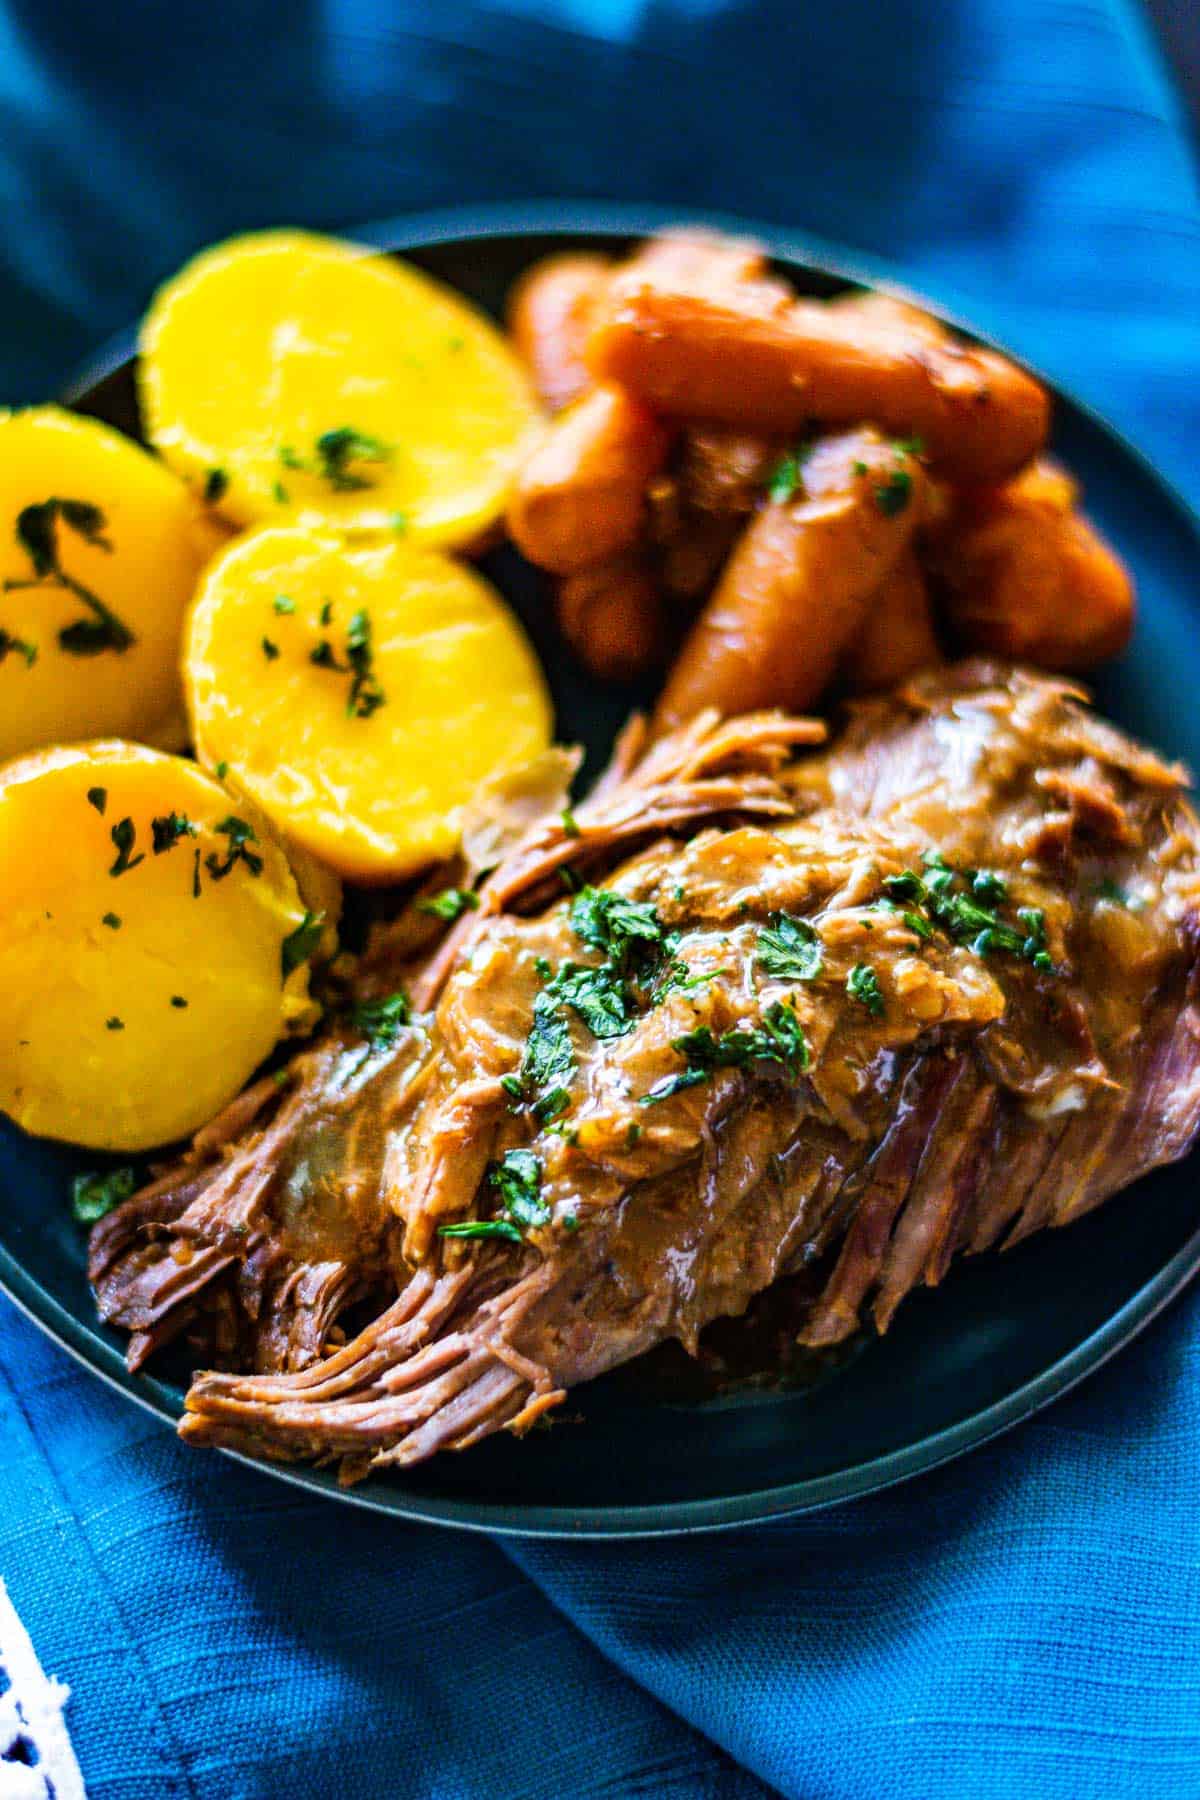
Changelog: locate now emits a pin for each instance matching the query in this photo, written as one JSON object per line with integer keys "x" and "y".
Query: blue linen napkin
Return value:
{"x": 1023, "y": 1622}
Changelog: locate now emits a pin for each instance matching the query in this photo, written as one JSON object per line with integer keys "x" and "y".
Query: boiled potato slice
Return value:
{"x": 359, "y": 692}
{"x": 100, "y": 547}
{"x": 141, "y": 966}
{"x": 294, "y": 376}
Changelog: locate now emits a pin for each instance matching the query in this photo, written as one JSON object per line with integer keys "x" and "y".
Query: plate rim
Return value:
{"x": 84, "y": 1342}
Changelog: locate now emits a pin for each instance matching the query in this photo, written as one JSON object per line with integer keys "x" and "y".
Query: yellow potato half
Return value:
{"x": 100, "y": 548}
{"x": 359, "y": 692}
{"x": 139, "y": 986}
{"x": 322, "y": 383}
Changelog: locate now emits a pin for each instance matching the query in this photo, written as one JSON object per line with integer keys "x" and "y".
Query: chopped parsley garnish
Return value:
{"x": 37, "y": 532}
{"x": 299, "y": 944}
{"x": 338, "y": 450}
{"x": 450, "y": 904}
{"x": 862, "y": 984}
{"x": 123, "y": 835}
{"x": 326, "y": 613}
{"x": 280, "y": 494}
{"x": 611, "y": 923}
{"x": 366, "y": 695}
{"x": 789, "y": 949}
{"x": 600, "y": 996}
{"x": 570, "y": 823}
{"x": 98, "y": 797}
{"x": 940, "y": 895}
{"x": 215, "y": 484}
{"x": 114, "y": 1024}
{"x": 177, "y": 1000}
{"x": 221, "y": 770}
{"x": 779, "y": 1039}
{"x": 17, "y": 647}
{"x": 547, "y": 1065}
{"x": 518, "y": 1179}
{"x": 399, "y": 523}
{"x": 95, "y": 1194}
{"x": 892, "y": 495}
{"x": 239, "y": 834}
{"x": 283, "y": 603}
{"x": 270, "y": 650}
{"x": 381, "y": 1021}
{"x": 787, "y": 478}
{"x": 166, "y": 831}
{"x": 112, "y": 920}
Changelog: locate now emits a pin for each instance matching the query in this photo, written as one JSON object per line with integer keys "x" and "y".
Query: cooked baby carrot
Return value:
{"x": 580, "y": 498}
{"x": 897, "y": 636}
{"x": 613, "y": 618}
{"x": 741, "y": 354}
{"x": 726, "y": 471}
{"x": 1024, "y": 574}
{"x": 794, "y": 593}
{"x": 549, "y": 316}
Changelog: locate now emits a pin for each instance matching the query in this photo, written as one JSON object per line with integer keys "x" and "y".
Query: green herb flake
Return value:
{"x": 114, "y": 1024}
{"x": 98, "y": 797}
{"x": 381, "y": 1021}
{"x": 15, "y": 646}
{"x": 97, "y": 1193}
{"x": 166, "y": 831}
{"x": 338, "y": 450}
{"x": 178, "y": 1001}
{"x": 221, "y": 771}
{"x": 787, "y": 477}
{"x": 280, "y": 494}
{"x": 862, "y": 984}
{"x": 450, "y": 904}
{"x": 112, "y": 920}
{"x": 548, "y": 1065}
{"x": 123, "y": 835}
{"x": 283, "y": 603}
{"x": 892, "y": 495}
{"x": 399, "y": 523}
{"x": 216, "y": 482}
{"x": 270, "y": 650}
{"x": 570, "y": 823}
{"x": 299, "y": 945}
{"x": 789, "y": 949}
{"x": 240, "y": 836}
{"x": 779, "y": 1038}
{"x": 37, "y": 533}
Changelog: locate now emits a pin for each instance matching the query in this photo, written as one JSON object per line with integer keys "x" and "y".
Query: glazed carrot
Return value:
{"x": 613, "y": 618}
{"x": 580, "y": 498}
{"x": 549, "y": 315}
{"x": 897, "y": 636}
{"x": 1024, "y": 574}
{"x": 742, "y": 354}
{"x": 689, "y": 257}
{"x": 794, "y": 593}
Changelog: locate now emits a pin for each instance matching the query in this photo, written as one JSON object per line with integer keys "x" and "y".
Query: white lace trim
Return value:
{"x": 36, "y": 1758}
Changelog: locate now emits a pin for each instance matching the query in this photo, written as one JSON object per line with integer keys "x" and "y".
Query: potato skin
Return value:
{"x": 139, "y": 556}
{"x": 141, "y": 970}
{"x": 898, "y": 635}
{"x": 580, "y": 498}
{"x": 742, "y": 354}
{"x": 794, "y": 592}
{"x": 613, "y": 617}
{"x": 549, "y": 317}
{"x": 1022, "y": 573}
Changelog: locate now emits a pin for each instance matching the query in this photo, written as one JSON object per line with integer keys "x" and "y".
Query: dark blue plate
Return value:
{"x": 1002, "y": 1337}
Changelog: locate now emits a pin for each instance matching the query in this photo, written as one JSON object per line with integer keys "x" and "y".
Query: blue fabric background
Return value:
{"x": 1026, "y": 1622}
